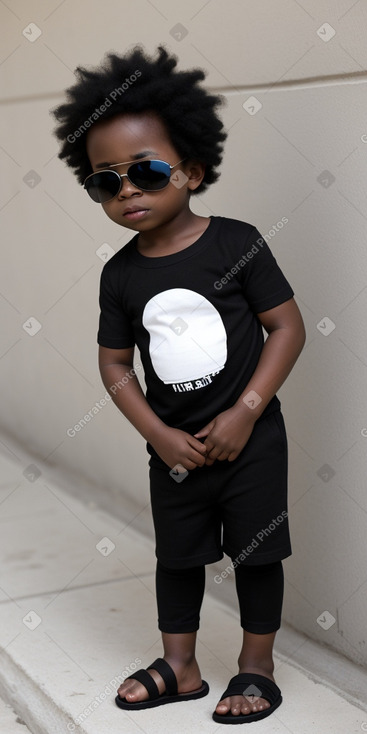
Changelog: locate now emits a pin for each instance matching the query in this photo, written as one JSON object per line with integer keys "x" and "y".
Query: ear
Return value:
{"x": 195, "y": 171}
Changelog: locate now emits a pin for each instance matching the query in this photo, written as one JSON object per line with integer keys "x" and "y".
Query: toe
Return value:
{"x": 132, "y": 692}
{"x": 223, "y": 706}
{"x": 240, "y": 705}
{"x": 235, "y": 704}
{"x": 260, "y": 704}
{"x": 123, "y": 690}
{"x": 245, "y": 709}
{"x": 133, "y": 695}
{"x": 256, "y": 704}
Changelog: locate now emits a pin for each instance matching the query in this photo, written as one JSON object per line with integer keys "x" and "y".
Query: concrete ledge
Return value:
{"x": 42, "y": 714}
{"x": 78, "y": 616}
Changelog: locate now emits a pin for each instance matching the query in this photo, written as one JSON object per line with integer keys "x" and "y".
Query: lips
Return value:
{"x": 135, "y": 213}
{"x": 131, "y": 209}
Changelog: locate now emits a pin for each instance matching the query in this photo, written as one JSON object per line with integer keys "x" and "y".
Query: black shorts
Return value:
{"x": 235, "y": 507}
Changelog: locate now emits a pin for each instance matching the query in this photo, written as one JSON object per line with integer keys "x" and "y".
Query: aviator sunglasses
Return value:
{"x": 145, "y": 175}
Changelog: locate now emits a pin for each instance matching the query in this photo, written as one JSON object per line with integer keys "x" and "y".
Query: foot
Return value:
{"x": 187, "y": 674}
{"x": 239, "y": 705}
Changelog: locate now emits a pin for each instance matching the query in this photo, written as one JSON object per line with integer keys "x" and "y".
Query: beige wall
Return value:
{"x": 312, "y": 88}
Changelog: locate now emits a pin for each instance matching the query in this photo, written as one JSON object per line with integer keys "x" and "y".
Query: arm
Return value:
{"x": 228, "y": 433}
{"x": 172, "y": 445}
{"x": 287, "y": 336}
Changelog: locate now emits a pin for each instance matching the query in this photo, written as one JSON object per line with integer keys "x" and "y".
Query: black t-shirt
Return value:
{"x": 192, "y": 315}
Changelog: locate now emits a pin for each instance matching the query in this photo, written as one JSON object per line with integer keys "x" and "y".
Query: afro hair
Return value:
{"x": 134, "y": 83}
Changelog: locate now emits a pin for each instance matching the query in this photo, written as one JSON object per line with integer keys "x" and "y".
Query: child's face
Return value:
{"x": 125, "y": 137}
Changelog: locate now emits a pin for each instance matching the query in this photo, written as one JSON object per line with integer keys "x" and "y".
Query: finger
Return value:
{"x": 213, "y": 453}
{"x": 196, "y": 456}
{"x": 223, "y": 456}
{"x": 204, "y": 431}
{"x": 186, "y": 464}
{"x": 199, "y": 459}
{"x": 233, "y": 455}
{"x": 209, "y": 444}
{"x": 197, "y": 445}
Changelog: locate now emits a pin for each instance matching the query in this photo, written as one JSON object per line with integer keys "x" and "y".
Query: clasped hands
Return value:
{"x": 227, "y": 434}
{"x": 224, "y": 438}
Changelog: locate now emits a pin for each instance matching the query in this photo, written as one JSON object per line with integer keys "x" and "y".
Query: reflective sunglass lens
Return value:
{"x": 103, "y": 186}
{"x": 150, "y": 175}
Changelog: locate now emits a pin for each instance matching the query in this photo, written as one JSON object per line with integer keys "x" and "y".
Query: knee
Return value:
{"x": 264, "y": 569}
{"x": 180, "y": 572}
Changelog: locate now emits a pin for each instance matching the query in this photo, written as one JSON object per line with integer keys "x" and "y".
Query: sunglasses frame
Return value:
{"x": 122, "y": 175}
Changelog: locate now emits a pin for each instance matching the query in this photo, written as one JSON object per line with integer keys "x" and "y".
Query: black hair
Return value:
{"x": 135, "y": 83}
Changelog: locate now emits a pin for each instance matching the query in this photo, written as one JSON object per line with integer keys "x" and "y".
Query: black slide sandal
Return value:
{"x": 170, "y": 695}
{"x": 250, "y": 684}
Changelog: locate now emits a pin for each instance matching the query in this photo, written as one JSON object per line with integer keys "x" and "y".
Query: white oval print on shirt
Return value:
{"x": 188, "y": 340}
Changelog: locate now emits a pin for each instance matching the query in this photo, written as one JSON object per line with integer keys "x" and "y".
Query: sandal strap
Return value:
{"x": 248, "y": 684}
{"x": 165, "y": 671}
{"x": 146, "y": 679}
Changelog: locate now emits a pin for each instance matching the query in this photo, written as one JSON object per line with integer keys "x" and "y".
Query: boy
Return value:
{"x": 193, "y": 293}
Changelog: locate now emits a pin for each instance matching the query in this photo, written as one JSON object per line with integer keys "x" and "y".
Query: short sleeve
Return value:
{"x": 115, "y": 330}
{"x": 264, "y": 284}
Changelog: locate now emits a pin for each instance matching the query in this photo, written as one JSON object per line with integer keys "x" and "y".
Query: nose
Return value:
{"x": 127, "y": 188}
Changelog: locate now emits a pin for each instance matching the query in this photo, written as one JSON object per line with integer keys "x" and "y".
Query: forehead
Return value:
{"x": 124, "y": 135}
